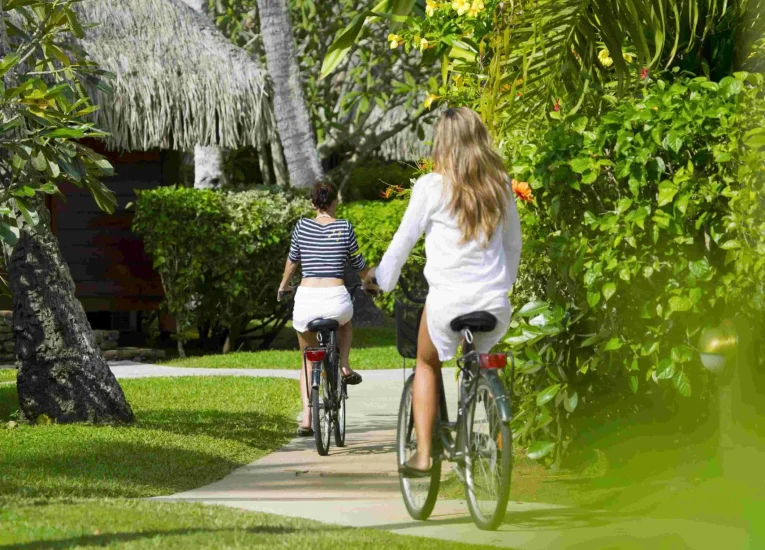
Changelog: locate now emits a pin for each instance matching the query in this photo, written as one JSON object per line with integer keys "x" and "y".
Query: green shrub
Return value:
{"x": 629, "y": 242}
{"x": 375, "y": 223}
{"x": 369, "y": 182}
{"x": 220, "y": 255}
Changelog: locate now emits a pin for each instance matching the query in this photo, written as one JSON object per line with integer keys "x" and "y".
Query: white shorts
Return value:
{"x": 321, "y": 303}
{"x": 443, "y": 306}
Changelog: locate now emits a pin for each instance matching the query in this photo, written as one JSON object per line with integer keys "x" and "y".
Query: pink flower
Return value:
{"x": 643, "y": 73}
{"x": 557, "y": 105}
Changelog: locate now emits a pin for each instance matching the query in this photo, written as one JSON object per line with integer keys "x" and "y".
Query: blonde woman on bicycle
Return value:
{"x": 467, "y": 212}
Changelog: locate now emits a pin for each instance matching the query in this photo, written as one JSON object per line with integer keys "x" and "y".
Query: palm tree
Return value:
{"x": 208, "y": 159}
{"x": 289, "y": 103}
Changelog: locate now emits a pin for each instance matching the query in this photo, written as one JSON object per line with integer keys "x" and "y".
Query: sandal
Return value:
{"x": 352, "y": 379}
{"x": 409, "y": 471}
{"x": 304, "y": 432}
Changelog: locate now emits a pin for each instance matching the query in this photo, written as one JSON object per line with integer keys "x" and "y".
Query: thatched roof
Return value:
{"x": 179, "y": 82}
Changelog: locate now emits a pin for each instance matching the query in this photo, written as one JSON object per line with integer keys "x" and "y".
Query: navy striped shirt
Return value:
{"x": 323, "y": 250}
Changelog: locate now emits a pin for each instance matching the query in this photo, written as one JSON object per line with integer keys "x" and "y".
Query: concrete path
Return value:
{"x": 358, "y": 486}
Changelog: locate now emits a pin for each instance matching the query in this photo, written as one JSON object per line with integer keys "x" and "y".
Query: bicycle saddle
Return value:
{"x": 323, "y": 324}
{"x": 478, "y": 321}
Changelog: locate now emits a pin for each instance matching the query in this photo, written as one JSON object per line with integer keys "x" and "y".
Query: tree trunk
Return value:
{"x": 290, "y": 111}
{"x": 62, "y": 372}
{"x": 208, "y": 167}
{"x": 208, "y": 160}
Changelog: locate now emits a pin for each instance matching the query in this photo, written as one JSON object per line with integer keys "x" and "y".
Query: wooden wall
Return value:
{"x": 110, "y": 269}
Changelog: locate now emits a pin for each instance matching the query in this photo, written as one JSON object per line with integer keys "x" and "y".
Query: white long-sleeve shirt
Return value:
{"x": 450, "y": 263}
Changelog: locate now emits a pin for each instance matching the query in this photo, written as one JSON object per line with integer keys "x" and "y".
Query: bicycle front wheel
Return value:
{"x": 419, "y": 493}
{"x": 322, "y": 414}
{"x": 489, "y": 459}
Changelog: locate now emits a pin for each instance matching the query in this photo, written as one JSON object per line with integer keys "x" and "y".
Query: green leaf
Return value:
{"x": 571, "y": 401}
{"x": 609, "y": 289}
{"x": 8, "y": 233}
{"x": 579, "y": 124}
{"x": 730, "y": 245}
{"x": 700, "y": 268}
{"x": 682, "y": 383}
{"x": 39, "y": 162}
{"x": 540, "y": 449}
{"x": 548, "y": 394}
{"x": 579, "y": 165}
{"x": 533, "y": 308}
{"x": 613, "y": 344}
{"x": 665, "y": 370}
{"x": 633, "y": 381}
{"x": 680, "y": 303}
{"x": 8, "y": 62}
{"x": 342, "y": 44}
{"x": 674, "y": 140}
{"x": 682, "y": 354}
{"x": 70, "y": 133}
{"x": 667, "y": 192}
{"x": 593, "y": 298}
{"x": 29, "y": 215}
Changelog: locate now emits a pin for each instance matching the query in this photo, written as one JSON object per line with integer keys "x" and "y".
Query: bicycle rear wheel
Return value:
{"x": 419, "y": 493}
{"x": 322, "y": 414}
{"x": 489, "y": 459}
{"x": 340, "y": 417}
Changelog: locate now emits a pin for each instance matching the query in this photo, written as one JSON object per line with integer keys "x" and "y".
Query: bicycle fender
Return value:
{"x": 500, "y": 393}
{"x": 316, "y": 375}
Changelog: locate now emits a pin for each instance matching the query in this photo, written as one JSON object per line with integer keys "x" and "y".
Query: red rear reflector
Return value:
{"x": 493, "y": 360}
{"x": 315, "y": 354}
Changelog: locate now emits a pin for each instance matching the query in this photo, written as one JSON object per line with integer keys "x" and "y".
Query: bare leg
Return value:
{"x": 344, "y": 339}
{"x": 305, "y": 339}
{"x": 425, "y": 395}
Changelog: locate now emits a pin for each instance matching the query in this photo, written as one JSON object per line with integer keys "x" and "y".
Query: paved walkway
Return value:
{"x": 358, "y": 486}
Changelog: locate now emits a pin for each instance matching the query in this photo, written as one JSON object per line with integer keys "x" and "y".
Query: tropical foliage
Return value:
{"x": 44, "y": 113}
{"x": 220, "y": 257}
{"x": 636, "y": 219}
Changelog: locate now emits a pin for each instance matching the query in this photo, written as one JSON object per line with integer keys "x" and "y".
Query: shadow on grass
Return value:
{"x": 108, "y": 539}
{"x": 9, "y": 402}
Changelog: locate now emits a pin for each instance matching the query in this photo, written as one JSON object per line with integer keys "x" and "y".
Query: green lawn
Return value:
{"x": 128, "y": 524}
{"x": 188, "y": 432}
{"x": 75, "y": 486}
{"x": 7, "y": 375}
{"x": 373, "y": 348}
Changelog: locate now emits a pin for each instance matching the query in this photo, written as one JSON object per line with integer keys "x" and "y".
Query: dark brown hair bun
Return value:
{"x": 323, "y": 195}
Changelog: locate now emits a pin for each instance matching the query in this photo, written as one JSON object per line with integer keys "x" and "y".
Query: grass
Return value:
{"x": 75, "y": 486}
{"x": 373, "y": 348}
{"x": 188, "y": 432}
{"x": 7, "y": 376}
{"x": 142, "y": 524}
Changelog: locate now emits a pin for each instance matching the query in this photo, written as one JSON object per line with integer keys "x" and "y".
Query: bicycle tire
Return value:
{"x": 322, "y": 418}
{"x": 419, "y": 507}
{"x": 340, "y": 420}
{"x": 492, "y": 476}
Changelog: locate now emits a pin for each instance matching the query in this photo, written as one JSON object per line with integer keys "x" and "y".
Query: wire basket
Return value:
{"x": 408, "y": 315}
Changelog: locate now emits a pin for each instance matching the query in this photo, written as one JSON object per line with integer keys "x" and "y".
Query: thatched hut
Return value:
{"x": 178, "y": 82}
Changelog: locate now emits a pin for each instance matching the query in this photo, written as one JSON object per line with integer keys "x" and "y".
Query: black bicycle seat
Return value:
{"x": 478, "y": 321}
{"x": 323, "y": 324}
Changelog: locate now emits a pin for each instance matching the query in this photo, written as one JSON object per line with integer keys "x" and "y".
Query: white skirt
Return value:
{"x": 321, "y": 303}
{"x": 442, "y": 306}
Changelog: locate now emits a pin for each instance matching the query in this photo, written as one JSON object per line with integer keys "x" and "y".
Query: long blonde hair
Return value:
{"x": 463, "y": 154}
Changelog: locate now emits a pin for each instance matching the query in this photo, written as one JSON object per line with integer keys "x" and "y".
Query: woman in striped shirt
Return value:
{"x": 322, "y": 246}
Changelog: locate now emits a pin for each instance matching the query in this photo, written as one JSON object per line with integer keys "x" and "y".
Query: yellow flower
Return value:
{"x": 475, "y": 8}
{"x": 430, "y": 99}
{"x": 460, "y": 6}
{"x": 395, "y": 40}
{"x": 458, "y": 80}
{"x": 423, "y": 45}
{"x": 605, "y": 59}
{"x": 628, "y": 57}
{"x": 430, "y": 7}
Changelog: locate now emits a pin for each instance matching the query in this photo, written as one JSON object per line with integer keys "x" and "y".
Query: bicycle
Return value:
{"x": 328, "y": 392}
{"x": 479, "y": 441}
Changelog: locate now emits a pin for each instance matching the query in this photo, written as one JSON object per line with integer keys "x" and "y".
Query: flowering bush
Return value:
{"x": 636, "y": 218}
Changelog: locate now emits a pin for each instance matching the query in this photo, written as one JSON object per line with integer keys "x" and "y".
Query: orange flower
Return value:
{"x": 522, "y": 190}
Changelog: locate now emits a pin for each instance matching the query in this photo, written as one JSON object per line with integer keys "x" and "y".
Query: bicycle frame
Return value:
{"x": 327, "y": 343}
{"x": 453, "y": 448}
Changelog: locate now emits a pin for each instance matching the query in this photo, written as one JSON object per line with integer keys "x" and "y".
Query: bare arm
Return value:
{"x": 289, "y": 271}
